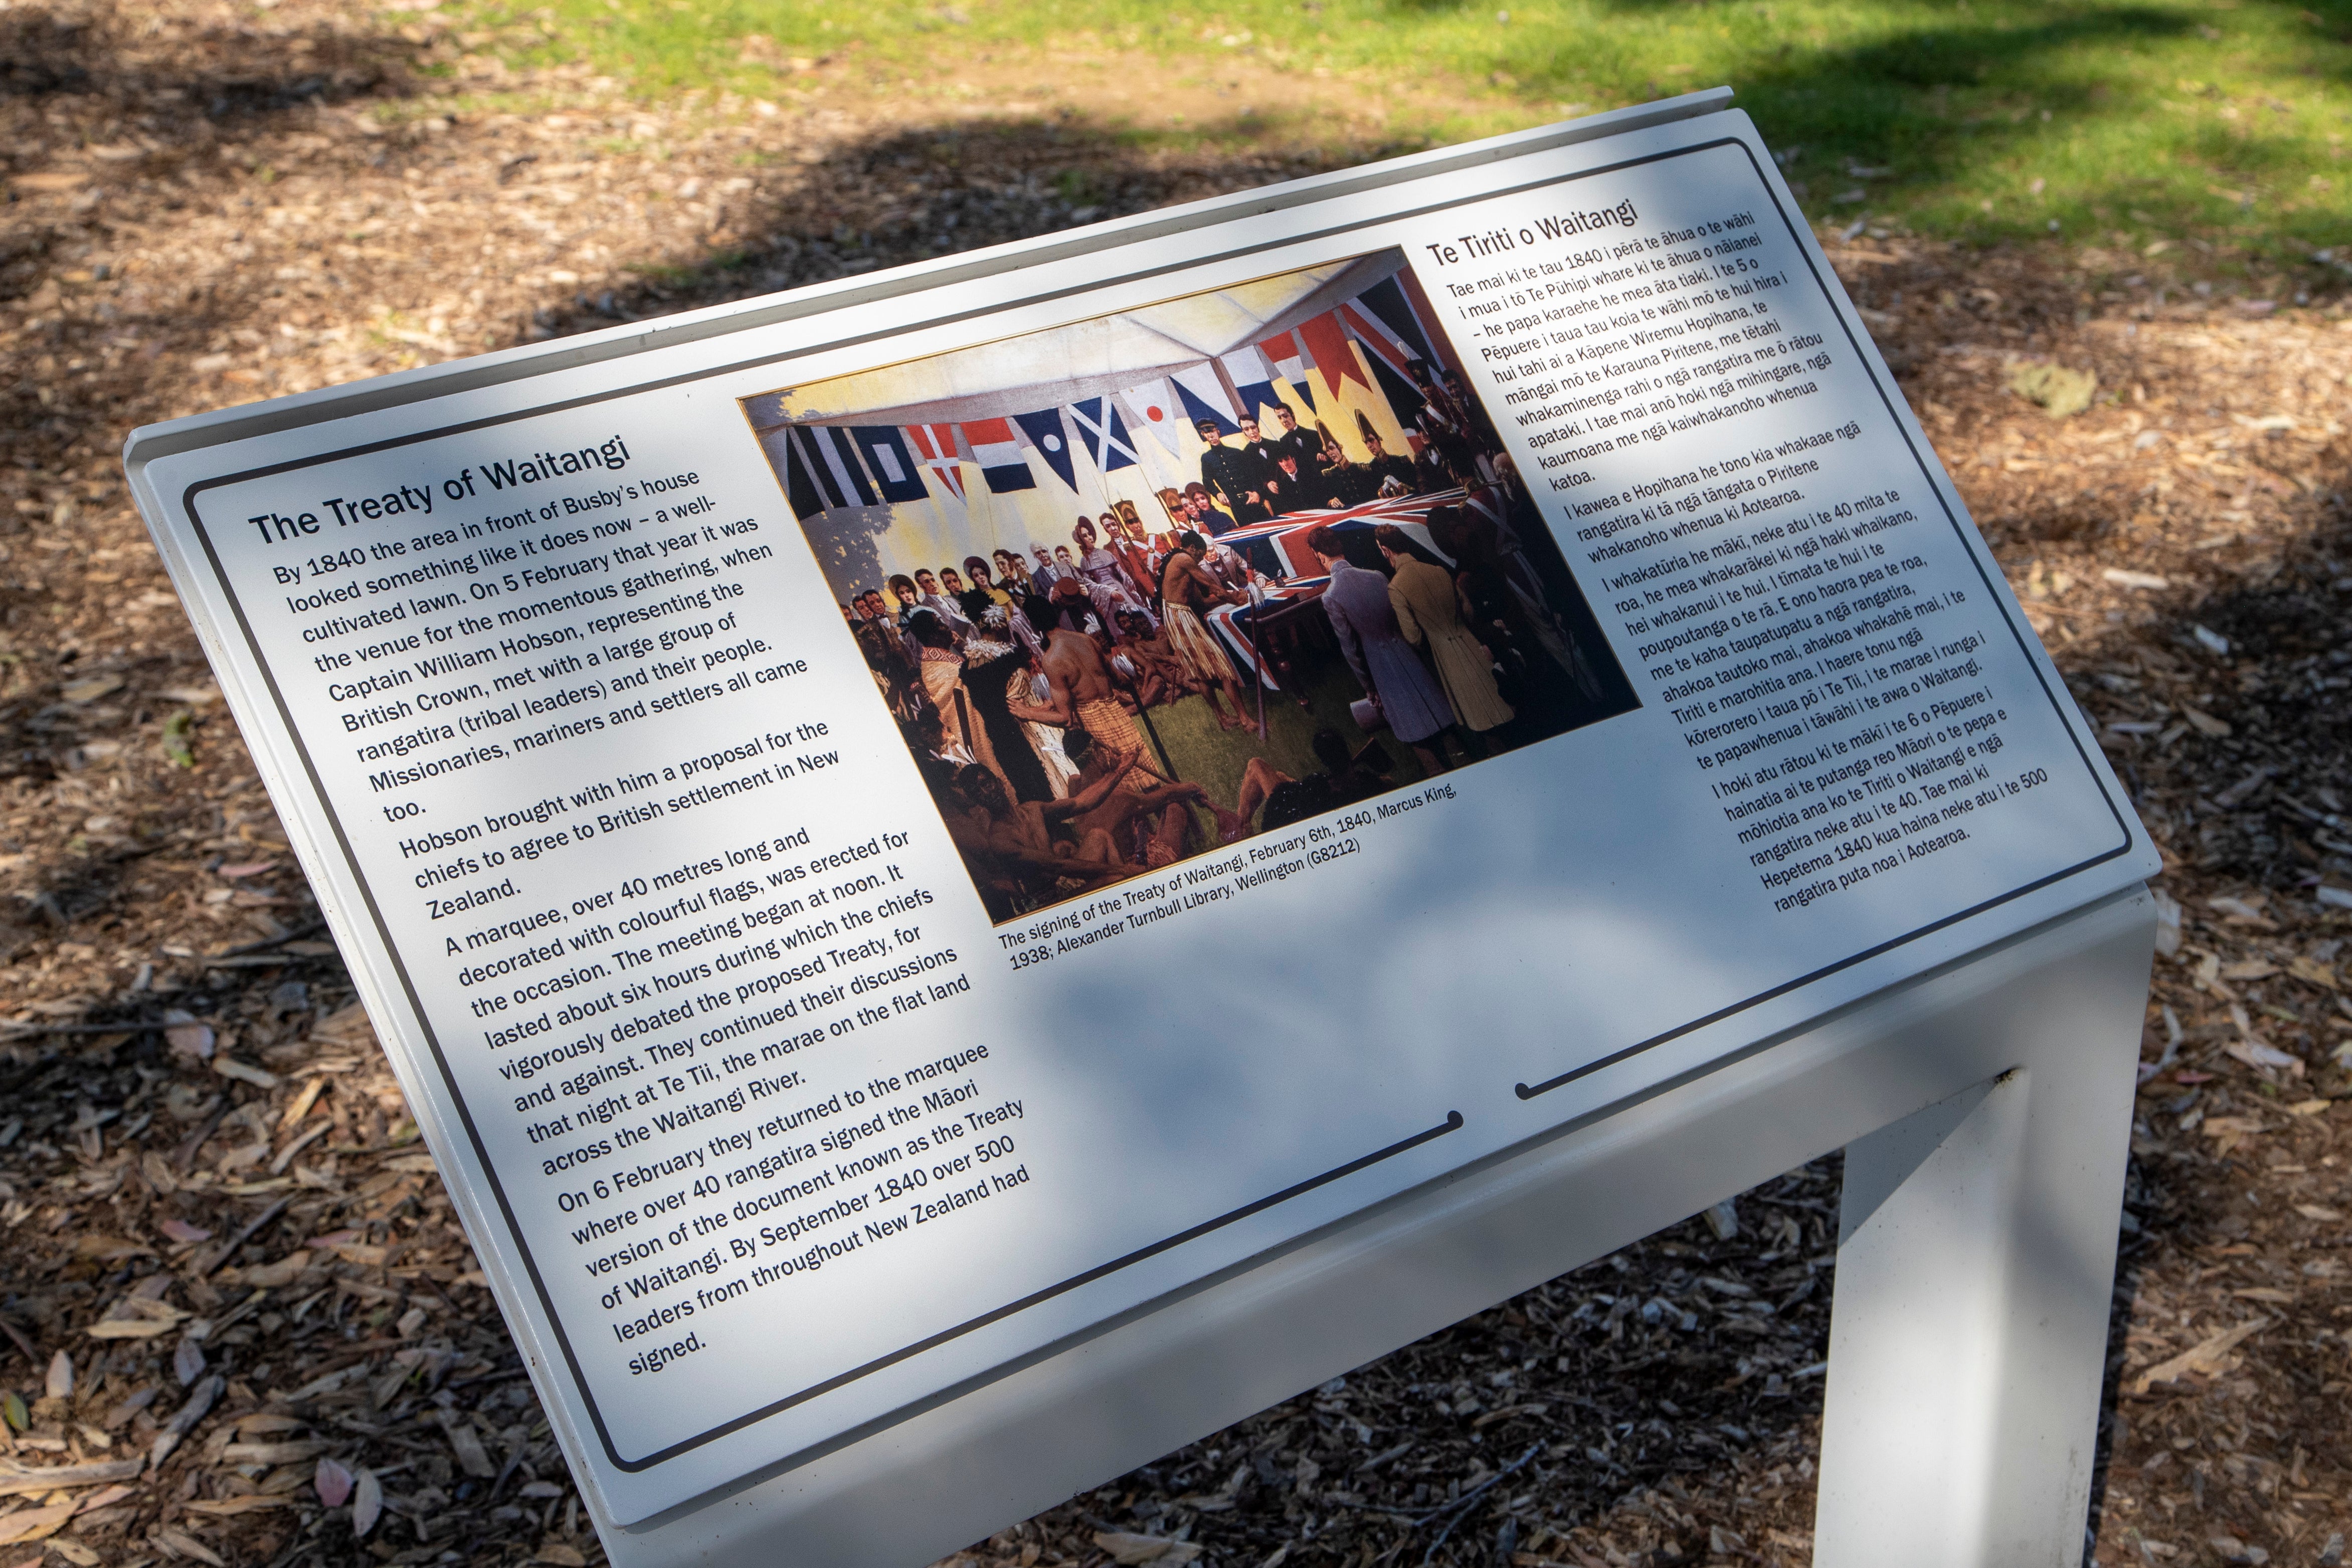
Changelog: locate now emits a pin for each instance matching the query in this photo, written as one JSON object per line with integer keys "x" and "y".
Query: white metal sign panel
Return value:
{"x": 821, "y": 994}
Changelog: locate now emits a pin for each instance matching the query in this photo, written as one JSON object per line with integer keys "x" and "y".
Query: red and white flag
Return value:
{"x": 997, "y": 449}
{"x": 935, "y": 449}
{"x": 1153, "y": 407}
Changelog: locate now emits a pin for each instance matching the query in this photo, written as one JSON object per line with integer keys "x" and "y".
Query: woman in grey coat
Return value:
{"x": 1391, "y": 674}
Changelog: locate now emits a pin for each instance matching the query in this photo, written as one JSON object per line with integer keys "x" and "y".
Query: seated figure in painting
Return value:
{"x": 1105, "y": 573}
{"x": 1148, "y": 645}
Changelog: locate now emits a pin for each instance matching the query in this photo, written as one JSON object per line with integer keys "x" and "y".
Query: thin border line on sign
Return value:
{"x": 1527, "y": 1092}
{"x": 408, "y": 987}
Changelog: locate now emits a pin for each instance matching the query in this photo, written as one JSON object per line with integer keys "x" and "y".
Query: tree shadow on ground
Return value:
{"x": 2253, "y": 820}
{"x": 916, "y": 194}
{"x": 2031, "y": 89}
{"x": 162, "y": 77}
{"x": 112, "y": 128}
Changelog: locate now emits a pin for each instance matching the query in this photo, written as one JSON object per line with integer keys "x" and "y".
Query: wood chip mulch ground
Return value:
{"x": 237, "y": 1323}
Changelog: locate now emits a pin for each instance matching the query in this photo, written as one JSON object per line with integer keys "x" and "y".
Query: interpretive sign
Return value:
{"x": 887, "y": 828}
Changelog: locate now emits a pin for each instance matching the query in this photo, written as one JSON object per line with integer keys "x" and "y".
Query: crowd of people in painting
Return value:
{"x": 1026, "y": 685}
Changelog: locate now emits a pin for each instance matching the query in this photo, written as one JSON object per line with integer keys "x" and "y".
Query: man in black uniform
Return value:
{"x": 1281, "y": 490}
{"x": 1482, "y": 434}
{"x": 1235, "y": 476}
{"x": 1384, "y": 466}
{"x": 1345, "y": 482}
{"x": 1433, "y": 470}
{"x": 1306, "y": 447}
{"x": 1293, "y": 492}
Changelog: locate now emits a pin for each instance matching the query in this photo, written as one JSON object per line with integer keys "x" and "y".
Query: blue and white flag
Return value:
{"x": 1103, "y": 434}
{"x": 1204, "y": 399}
{"x": 890, "y": 461}
{"x": 1044, "y": 432}
{"x": 1385, "y": 302}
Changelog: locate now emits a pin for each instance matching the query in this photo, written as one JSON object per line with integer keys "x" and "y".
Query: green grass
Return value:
{"x": 2121, "y": 123}
{"x": 1215, "y": 758}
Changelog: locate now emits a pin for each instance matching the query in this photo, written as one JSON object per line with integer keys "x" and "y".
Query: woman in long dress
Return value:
{"x": 1427, "y": 613}
{"x": 1105, "y": 574}
{"x": 976, "y": 569}
{"x": 1358, "y": 606}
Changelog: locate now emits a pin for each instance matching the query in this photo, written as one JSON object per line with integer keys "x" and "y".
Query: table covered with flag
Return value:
{"x": 1233, "y": 622}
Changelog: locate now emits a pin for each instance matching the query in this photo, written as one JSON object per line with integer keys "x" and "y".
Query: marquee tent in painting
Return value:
{"x": 1005, "y": 444}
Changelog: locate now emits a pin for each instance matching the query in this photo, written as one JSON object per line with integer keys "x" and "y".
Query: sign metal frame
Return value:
{"x": 1945, "y": 1082}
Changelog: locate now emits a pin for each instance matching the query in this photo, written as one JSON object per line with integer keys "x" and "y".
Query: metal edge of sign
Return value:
{"x": 526, "y": 363}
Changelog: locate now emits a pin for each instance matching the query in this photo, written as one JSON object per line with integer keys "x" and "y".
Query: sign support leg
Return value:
{"x": 1976, "y": 1262}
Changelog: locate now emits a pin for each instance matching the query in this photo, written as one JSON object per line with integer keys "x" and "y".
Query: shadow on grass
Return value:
{"x": 1929, "y": 110}
{"x": 914, "y": 194}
